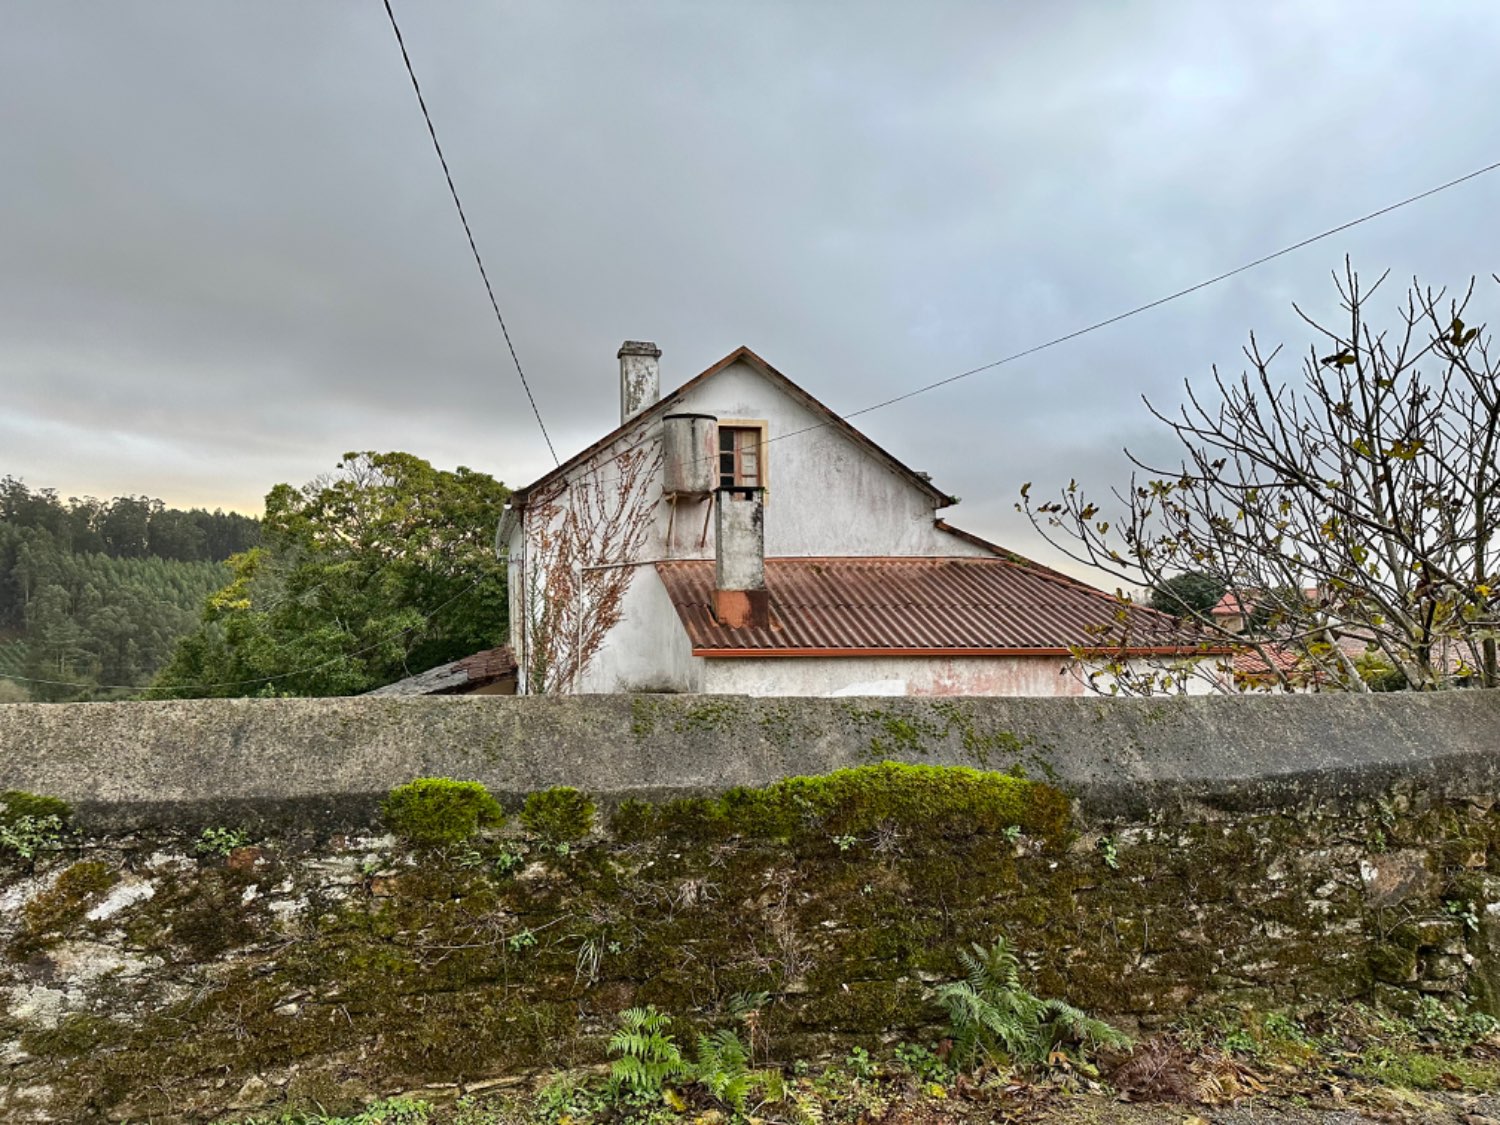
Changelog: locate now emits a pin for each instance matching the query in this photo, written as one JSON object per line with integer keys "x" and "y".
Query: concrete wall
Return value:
{"x": 325, "y": 764}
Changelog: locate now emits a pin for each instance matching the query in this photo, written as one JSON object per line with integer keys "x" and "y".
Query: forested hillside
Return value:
{"x": 98, "y": 592}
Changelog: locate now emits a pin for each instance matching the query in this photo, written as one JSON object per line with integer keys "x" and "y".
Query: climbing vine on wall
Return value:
{"x": 584, "y": 533}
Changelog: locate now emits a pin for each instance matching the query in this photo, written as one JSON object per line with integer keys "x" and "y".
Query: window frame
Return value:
{"x": 762, "y": 428}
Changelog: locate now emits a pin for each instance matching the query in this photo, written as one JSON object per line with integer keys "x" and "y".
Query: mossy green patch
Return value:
{"x": 559, "y": 815}
{"x": 15, "y": 803}
{"x": 937, "y": 801}
{"x": 437, "y": 811}
{"x": 77, "y": 1034}
{"x": 54, "y": 912}
{"x": 1393, "y": 963}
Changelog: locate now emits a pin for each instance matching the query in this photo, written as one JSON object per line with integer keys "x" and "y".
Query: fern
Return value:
{"x": 723, "y": 1069}
{"x": 649, "y": 1057}
{"x": 993, "y": 1019}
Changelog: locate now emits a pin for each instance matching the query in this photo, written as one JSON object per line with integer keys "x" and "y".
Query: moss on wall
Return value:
{"x": 559, "y": 815}
{"x": 356, "y": 966}
{"x": 433, "y": 811}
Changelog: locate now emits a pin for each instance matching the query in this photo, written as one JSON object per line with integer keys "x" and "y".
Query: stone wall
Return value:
{"x": 1165, "y": 858}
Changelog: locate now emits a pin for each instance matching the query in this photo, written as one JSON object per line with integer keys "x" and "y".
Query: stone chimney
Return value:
{"x": 740, "y": 597}
{"x": 640, "y": 377}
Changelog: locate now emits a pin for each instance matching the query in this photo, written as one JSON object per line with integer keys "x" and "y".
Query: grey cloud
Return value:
{"x": 227, "y": 254}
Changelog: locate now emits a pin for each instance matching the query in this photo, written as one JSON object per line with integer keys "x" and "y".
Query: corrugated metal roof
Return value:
{"x": 949, "y": 605}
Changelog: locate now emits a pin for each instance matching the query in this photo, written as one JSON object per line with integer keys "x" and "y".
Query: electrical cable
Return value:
{"x": 1105, "y": 323}
{"x": 463, "y": 218}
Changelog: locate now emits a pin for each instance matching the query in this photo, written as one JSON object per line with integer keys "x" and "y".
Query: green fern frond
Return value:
{"x": 993, "y": 1018}
{"x": 649, "y": 1058}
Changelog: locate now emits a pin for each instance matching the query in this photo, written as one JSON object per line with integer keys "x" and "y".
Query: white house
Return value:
{"x": 737, "y": 536}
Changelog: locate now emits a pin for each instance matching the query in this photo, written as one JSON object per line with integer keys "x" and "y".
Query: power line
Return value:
{"x": 820, "y": 425}
{"x": 463, "y": 218}
{"x": 1225, "y": 276}
{"x": 1105, "y": 323}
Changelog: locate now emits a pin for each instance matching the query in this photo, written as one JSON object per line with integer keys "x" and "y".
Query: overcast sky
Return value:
{"x": 227, "y": 253}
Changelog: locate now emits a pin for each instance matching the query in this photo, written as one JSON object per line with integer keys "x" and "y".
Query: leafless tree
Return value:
{"x": 1362, "y": 502}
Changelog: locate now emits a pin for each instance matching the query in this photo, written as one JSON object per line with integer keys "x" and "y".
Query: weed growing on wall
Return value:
{"x": 31, "y": 823}
{"x": 648, "y": 1064}
{"x": 437, "y": 811}
{"x": 993, "y": 1019}
{"x": 219, "y": 842}
{"x": 646, "y": 1056}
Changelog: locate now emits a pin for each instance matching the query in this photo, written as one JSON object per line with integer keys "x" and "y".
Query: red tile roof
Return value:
{"x": 1231, "y": 605}
{"x": 1249, "y": 661}
{"x": 936, "y": 606}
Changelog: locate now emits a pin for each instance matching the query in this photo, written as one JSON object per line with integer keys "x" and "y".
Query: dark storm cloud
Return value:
{"x": 227, "y": 254}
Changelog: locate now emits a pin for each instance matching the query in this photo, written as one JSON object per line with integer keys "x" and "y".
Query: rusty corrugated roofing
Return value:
{"x": 916, "y": 605}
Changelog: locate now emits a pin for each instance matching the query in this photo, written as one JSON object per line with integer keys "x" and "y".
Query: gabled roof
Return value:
{"x": 666, "y": 403}
{"x": 919, "y": 606}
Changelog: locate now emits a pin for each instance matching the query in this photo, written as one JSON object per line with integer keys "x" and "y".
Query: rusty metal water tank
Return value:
{"x": 690, "y": 448}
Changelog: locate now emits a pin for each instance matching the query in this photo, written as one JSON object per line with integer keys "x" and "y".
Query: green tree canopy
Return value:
{"x": 1192, "y": 592}
{"x": 380, "y": 570}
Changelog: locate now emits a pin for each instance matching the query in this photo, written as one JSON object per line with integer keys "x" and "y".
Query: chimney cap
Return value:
{"x": 639, "y": 347}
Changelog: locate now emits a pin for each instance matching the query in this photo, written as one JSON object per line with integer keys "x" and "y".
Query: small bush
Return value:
{"x": 436, "y": 811}
{"x": 559, "y": 814}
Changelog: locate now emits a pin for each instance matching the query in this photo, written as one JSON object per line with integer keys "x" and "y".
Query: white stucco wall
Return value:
{"x": 891, "y": 675}
{"x": 826, "y": 495}
{"x": 903, "y": 675}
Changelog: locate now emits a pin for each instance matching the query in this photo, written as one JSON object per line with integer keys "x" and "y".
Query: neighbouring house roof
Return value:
{"x": 1232, "y": 604}
{"x": 918, "y": 606}
{"x": 668, "y": 402}
{"x": 1278, "y": 657}
{"x": 469, "y": 674}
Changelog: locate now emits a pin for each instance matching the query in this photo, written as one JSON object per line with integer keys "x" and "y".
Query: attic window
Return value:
{"x": 740, "y": 456}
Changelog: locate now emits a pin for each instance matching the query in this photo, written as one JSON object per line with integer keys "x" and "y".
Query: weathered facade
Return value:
{"x": 720, "y": 540}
